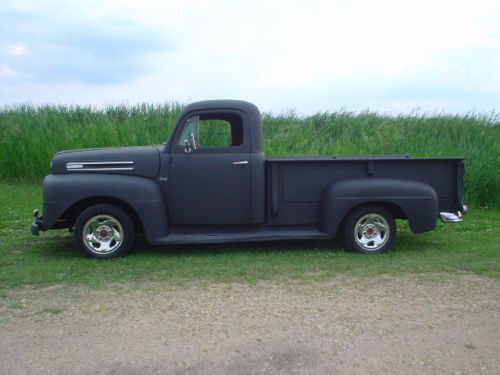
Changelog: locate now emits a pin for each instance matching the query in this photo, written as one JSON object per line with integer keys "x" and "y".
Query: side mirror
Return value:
{"x": 190, "y": 144}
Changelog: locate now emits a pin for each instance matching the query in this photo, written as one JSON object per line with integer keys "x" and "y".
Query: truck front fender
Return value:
{"x": 418, "y": 202}
{"x": 144, "y": 196}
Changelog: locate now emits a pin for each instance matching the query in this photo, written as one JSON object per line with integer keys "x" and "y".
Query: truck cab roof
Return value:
{"x": 251, "y": 112}
{"x": 241, "y": 105}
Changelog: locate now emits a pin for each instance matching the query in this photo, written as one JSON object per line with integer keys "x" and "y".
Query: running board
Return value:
{"x": 264, "y": 235}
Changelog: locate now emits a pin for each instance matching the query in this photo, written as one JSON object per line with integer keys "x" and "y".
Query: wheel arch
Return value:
{"x": 404, "y": 199}
{"x": 395, "y": 210}
{"x": 71, "y": 214}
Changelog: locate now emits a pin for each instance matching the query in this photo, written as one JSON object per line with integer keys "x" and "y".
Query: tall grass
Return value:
{"x": 30, "y": 135}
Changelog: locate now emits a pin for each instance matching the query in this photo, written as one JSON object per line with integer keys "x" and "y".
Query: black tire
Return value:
{"x": 376, "y": 240}
{"x": 113, "y": 220}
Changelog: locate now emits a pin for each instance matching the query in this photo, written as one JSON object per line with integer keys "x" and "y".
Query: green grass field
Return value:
{"x": 29, "y": 136}
{"x": 472, "y": 247}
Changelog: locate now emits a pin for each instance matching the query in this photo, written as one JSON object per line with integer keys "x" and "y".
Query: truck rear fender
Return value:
{"x": 66, "y": 196}
{"x": 415, "y": 201}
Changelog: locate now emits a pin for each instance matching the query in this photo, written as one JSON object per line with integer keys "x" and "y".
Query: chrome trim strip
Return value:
{"x": 450, "y": 217}
{"x": 74, "y": 166}
{"x": 100, "y": 162}
{"x": 94, "y": 166}
{"x": 102, "y": 169}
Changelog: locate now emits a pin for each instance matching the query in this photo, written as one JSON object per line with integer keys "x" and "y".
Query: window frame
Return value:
{"x": 244, "y": 147}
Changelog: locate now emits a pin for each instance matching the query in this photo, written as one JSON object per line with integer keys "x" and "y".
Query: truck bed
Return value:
{"x": 295, "y": 184}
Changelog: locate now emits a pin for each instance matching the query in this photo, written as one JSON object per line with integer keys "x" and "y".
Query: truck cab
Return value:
{"x": 217, "y": 145}
{"x": 211, "y": 183}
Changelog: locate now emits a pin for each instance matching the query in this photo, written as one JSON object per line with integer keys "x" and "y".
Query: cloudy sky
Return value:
{"x": 386, "y": 55}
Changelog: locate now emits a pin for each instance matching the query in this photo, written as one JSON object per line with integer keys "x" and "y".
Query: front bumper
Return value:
{"x": 453, "y": 217}
{"x": 37, "y": 226}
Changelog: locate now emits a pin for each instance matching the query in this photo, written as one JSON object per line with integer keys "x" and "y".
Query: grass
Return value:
{"x": 30, "y": 135}
{"x": 472, "y": 247}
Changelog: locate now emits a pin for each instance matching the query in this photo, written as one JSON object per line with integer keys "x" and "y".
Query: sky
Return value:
{"x": 311, "y": 55}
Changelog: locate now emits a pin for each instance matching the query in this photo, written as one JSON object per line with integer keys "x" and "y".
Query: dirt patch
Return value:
{"x": 438, "y": 324}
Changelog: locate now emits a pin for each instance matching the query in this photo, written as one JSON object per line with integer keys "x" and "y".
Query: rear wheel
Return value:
{"x": 369, "y": 229}
{"x": 104, "y": 231}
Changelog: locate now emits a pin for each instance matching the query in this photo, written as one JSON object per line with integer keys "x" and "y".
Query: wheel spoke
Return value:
{"x": 92, "y": 226}
{"x": 370, "y": 218}
{"x": 105, "y": 246}
{"x": 91, "y": 238}
{"x": 364, "y": 240}
{"x": 377, "y": 240}
{"x": 108, "y": 222}
{"x": 380, "y": 226}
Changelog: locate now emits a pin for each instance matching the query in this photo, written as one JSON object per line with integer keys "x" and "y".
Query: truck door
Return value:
{"x": 210, "y": 169}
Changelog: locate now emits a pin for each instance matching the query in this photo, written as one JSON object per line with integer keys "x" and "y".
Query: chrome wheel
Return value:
{"x": 102, "y": 234}
{"x": 372, "y": 232}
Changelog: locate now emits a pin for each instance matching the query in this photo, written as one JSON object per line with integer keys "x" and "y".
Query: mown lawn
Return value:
{"x": 470, "y": 247}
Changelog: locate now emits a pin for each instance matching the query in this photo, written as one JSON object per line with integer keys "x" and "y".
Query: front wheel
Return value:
{"x": 369, "y": 230}
{"x": 104, "y": 231}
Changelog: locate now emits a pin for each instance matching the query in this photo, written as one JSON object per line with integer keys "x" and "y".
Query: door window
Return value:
{"x": 213, "y": 130}
{"x": 215, "y": 133}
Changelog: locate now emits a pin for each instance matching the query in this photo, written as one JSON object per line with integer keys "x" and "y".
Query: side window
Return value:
{"x": 192, "y": 126}
{"x": 215, "y": 133}
{"x": 213, "y": 130}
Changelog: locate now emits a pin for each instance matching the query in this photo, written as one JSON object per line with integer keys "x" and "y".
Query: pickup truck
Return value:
{"x": 211, "y": 183}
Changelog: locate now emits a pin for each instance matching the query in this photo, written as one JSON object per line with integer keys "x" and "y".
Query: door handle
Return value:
{"x": 243, "y": 162}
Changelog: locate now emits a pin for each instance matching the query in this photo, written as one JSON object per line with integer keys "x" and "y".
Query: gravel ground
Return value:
{"x": 432, "y": 324}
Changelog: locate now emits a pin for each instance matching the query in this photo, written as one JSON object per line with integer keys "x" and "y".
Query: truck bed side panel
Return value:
{"x": 296, "y": 186}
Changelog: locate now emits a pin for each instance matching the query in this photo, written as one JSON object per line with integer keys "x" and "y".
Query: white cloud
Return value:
{"x": 17, "y": 50}
{"x": 311, "y": 55}
{"x": 6, "y": 71}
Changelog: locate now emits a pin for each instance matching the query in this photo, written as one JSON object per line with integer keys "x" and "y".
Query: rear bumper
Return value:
{"x": 453, "y": 217}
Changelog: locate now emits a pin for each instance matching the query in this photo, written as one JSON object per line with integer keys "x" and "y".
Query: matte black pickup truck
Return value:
{"x": 211, "y": 183}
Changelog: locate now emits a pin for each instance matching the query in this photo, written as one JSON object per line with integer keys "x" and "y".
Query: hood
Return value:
{"x": 137, "y": 161}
